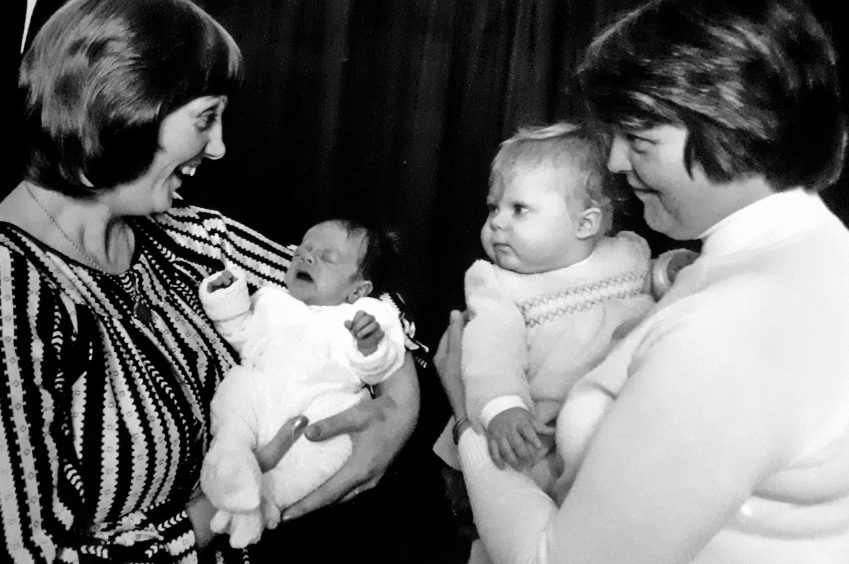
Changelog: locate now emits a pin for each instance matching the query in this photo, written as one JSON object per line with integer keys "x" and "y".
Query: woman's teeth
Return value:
{"x": 188, "y": 170}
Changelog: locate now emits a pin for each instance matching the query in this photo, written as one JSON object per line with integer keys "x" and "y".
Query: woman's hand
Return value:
{"x": 269, "y": 455}
{"x": 447, "y": 363}
{"x": 378, "y": 429}
{"x": 200, "y": 510}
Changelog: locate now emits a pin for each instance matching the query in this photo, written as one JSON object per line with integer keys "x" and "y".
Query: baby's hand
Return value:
{"x": 512, "y": 437}
{"x": 366, "y": 330}
{"x": 223, "y": 280}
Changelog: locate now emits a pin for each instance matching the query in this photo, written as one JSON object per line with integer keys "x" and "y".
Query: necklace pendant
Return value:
{"x": 142, "y": 312}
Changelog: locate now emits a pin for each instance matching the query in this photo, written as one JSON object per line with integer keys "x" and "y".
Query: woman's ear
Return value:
{"x": 363, "y": 289}
{"x": 589, "y": 223}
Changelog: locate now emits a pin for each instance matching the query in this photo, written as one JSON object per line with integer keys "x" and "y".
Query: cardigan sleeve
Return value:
{"x": 494, "y": 347}
{"x": 226, "y": 243}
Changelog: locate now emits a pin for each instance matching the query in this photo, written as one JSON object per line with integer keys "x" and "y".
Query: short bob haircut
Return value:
{"x": 100, "y": 77}
{"x": 753, "y": 81}
{"x": 577, "y": 152}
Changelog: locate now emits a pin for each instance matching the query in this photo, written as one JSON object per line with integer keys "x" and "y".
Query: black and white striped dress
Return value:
{"x": 104, "y": 416}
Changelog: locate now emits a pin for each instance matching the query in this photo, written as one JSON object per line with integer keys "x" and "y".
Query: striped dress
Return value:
{"x": 104, "y": 416}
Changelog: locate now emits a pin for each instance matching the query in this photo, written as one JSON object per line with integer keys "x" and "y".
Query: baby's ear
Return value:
{"x": 363, "y": 289}
{"x": 589, "y": 223}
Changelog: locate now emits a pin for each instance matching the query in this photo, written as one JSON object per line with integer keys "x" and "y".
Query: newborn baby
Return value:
{"x": 312, "y": 349}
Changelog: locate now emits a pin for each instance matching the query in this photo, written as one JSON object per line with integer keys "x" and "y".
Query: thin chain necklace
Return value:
{"x": 140, "y": 307}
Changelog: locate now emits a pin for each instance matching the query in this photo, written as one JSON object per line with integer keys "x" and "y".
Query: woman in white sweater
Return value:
{"x": 718, "y": 430}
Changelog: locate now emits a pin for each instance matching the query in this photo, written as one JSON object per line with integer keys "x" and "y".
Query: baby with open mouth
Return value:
{"x": 314, "y": 348}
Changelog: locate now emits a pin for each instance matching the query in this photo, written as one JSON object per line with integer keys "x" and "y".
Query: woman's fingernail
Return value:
{"x": 300, "y": 423}
{"x": 312, "y": 433}
{"x": 289, "y": 516}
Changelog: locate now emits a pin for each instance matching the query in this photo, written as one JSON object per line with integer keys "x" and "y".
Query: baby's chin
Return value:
{"x": 507, "y": 263}
{"x": 300, "y": 294}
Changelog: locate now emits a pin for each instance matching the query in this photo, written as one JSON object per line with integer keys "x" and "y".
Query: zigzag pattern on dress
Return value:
{"x": 547, "y": 307}
{"x": 123, "y": 430}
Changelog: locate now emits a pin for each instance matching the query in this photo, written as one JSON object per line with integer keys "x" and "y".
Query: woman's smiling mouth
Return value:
{"x": 182, "y": 173}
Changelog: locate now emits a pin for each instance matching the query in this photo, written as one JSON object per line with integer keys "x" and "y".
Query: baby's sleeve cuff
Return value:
{"x": 495, "y": 406}
{"x": 226, "y": 303}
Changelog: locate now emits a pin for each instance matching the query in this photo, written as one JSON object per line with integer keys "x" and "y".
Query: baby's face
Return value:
{"x": 530, "y": 227}
{"x": 324, "y": 270}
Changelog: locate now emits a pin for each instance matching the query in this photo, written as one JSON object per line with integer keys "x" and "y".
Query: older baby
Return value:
{"x": 555, "y": 294}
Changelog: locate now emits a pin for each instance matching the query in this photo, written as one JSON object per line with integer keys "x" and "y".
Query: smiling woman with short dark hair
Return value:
{"x": 109, "y": 362}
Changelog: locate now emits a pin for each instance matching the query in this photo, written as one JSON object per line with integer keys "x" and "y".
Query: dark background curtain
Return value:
{"x": 391, "y": 110}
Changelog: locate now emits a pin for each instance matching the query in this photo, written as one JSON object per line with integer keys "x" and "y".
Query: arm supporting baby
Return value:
{"x": 378, "y": 429}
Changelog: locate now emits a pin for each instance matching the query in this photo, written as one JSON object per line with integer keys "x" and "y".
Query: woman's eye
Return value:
{"x": 637, "y": 143}
{"x": 519, "y": 209}
{"x": 207, "y": 120}
{"x": 491, "y": 208}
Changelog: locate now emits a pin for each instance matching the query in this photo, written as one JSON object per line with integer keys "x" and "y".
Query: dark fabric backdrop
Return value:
{"x": 392, "y": 110}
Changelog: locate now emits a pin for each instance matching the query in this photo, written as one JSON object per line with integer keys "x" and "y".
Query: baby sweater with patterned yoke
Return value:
{"x": 530, "y": 337}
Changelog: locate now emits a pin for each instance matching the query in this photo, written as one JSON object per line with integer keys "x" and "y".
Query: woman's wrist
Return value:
{"x": 457, "y": 402}
{"x": 461, "y": 423}
{"x": 403, "y": 388}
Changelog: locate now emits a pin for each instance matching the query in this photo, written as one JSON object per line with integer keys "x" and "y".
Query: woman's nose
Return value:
{"x": 215, "y": 148}
{"x": 617, "y": 160}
